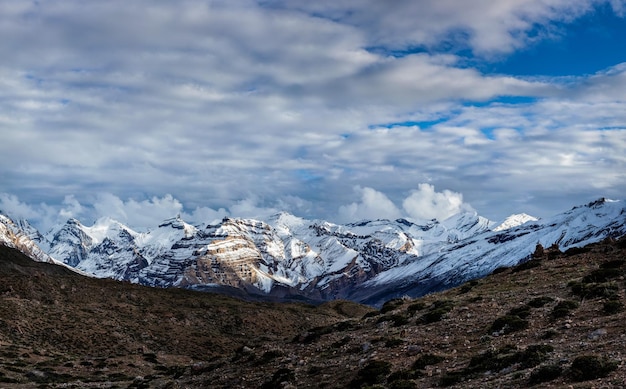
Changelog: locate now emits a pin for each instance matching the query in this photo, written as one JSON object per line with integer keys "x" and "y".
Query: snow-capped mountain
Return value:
{"x": 369, "y": 261}
{"x": 24, "y": 237}
{"x": 514, "y": 221}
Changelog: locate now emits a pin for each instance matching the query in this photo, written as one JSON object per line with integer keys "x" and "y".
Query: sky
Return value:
{"x": 340, "y": 110}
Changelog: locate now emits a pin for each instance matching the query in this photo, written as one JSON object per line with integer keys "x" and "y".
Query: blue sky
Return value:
{"x": 341, "y": 109}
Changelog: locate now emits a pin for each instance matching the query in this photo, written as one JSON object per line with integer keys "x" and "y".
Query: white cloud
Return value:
{"x": 71, "y": 208}
{"x": 137, "y": 214}
{"x": 425, "y": 203}
{"x": 372, "y": 205}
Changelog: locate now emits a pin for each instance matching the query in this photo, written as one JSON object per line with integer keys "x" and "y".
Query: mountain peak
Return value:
{"x": 514, "y": 220}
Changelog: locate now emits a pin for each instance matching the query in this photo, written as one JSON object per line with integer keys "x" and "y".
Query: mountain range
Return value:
{"x": 290, "y": 258}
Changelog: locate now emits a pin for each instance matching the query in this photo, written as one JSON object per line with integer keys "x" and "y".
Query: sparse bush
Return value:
{"x": 533, "y": 263}
{"x": 522, "y": 312}
{"x": 393, "y": 342}
{"x": 545, "y": 374}
{"x": 534, "y": 355}
{"x": 341, "y": 342}
{"x": 593, "y": 290}
{"x": 508, "y": 355}
{"x": 614, "y": 264}
{"x": 499, "y": 270}
{"x": 564, "y": 308}
{"x": 550, "y": 334}
{"x": 601, "y": 275}
{"x": 402, "y": 384}
{"x": 268, "y": 356}
{"x": 508, "y": 323}
{"x": 374, "y": 372}
{"x": 427, "y": 360}
{"x": 403, "y": 375}
{"x": 313, "y": 334}
{"x": 612, "y": 307}
{"x": 280, "y": 376}
{"x": 371, "y": 314}
{"x": 452, "y": 378}
{"x": 437, "y": 311}
{"x": 539, "y": 302}
{"x": 576, "y": 250}
{"x": 417, "y": 306}
{"x": 397, "y": 320}
{"x": 468, "y": 286}
{"x": 492, "y": 360}
{"x": 589, "y": 367}
{"x": 391, "y": 305}
{"x": 345, "y": 325}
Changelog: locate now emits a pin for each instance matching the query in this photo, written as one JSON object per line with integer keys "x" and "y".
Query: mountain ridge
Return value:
{"x": 368, "y": 261}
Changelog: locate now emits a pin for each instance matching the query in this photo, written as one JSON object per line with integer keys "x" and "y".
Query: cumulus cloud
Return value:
{"x": 137, "y": 214}
{"x": 425, "y": 203}
{"x": 372, "y": 205}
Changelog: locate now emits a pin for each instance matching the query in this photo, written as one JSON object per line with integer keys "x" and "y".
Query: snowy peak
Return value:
{"x": 22, "y": 236}
{"x": 514, "y": 221}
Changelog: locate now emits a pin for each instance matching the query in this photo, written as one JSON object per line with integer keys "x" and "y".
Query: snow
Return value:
{"x": 514, "y": 221}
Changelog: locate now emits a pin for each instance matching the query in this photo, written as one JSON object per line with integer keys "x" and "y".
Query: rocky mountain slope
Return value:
{"x": 557, "y": 320}
{"x": 289, "y": 257}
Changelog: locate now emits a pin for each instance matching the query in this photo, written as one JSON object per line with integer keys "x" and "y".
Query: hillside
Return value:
{"x": 515, "y": 327}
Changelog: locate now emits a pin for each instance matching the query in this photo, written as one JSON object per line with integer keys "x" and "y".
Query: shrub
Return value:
{"x": 527, "y": 265}
{"x": 393, "y": 342}
{"x": 614, "y": 264}
{"x": 437, "y": 311}
{"x": 418, "y": 306}
{"x": 545, "y": 374}
{"x": 593, "y": 290}
{"x": 427, "y": 360}
{"x": 576, "y": 250}
{"x": 522, "y": 312}
{"x": 280, "y": 376}
{"x": 563, "y": 308}
{"x": 499, "y": 270}
{"x": 589, "y": 367}
{"x": 601, "y": 275}
{"x": 539, "y": 302}
{"x": 468, "y": 286}
{"x": 371, "y": 314}
{"x": 549, "y": 334}
{"x": 452, "y": 378}
{"x": 402, "y": 375}
{"x": 341, "y": 342}
{"x": 397, "y": 320}
{"x": 402, "y": 384}
{"x": 492, "y": 360}
{"x": 508, "y": 323}
{"x": 268, "y": 356}
{"x": 375, "y": 372}
{"x": 391, "y": 305}
{"x": 534, "y": 355}
{"x": 612, "y": 307}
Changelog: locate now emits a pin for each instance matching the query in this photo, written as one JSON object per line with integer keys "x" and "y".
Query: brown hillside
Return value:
{"x": 555, "y": 321}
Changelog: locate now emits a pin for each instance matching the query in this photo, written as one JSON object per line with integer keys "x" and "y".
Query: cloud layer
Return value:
{"x": 251, "y": 106}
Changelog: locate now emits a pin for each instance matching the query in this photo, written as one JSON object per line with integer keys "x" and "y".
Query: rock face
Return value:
{"x": 370, "y": 261}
